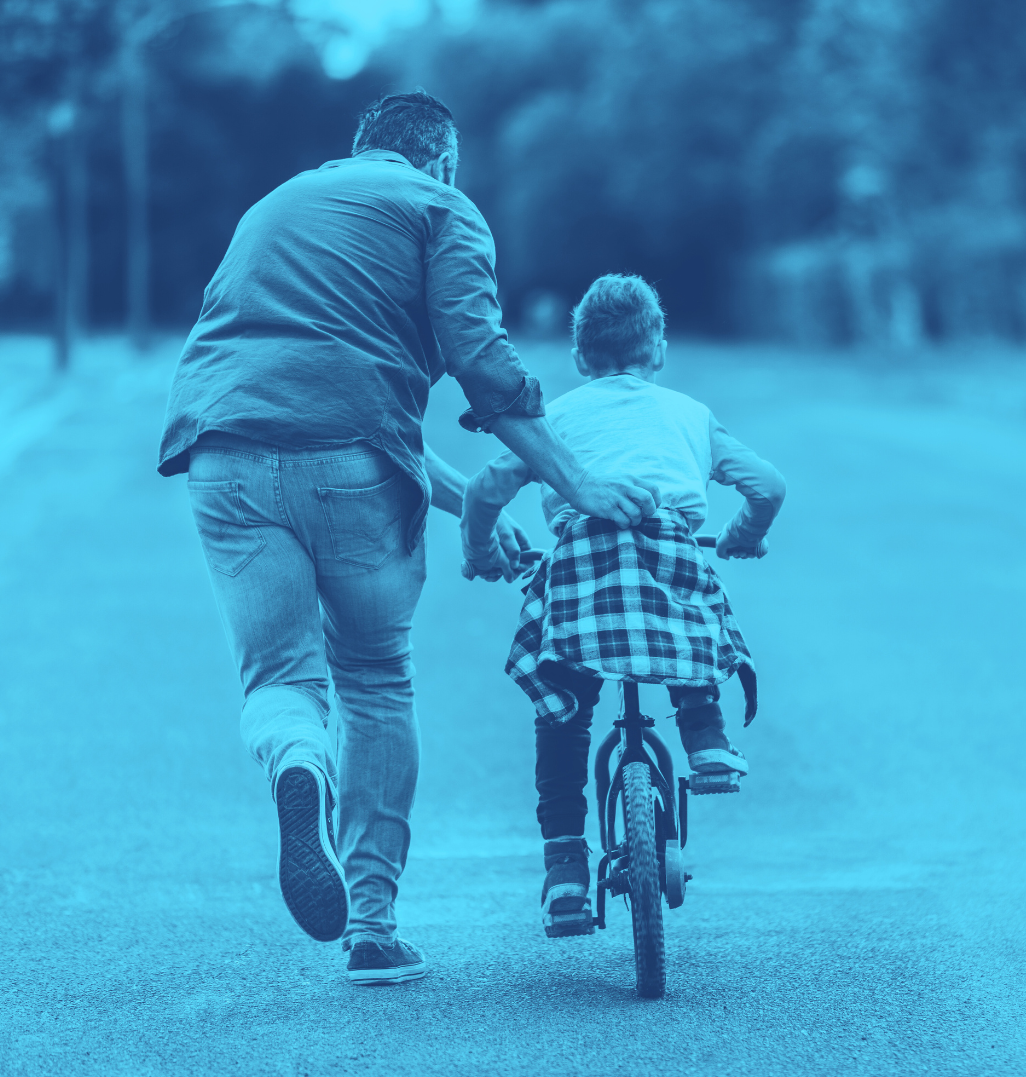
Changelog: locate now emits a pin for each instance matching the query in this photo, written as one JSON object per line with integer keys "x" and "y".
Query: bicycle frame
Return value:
{"x": 646, "y": 866}
{"x": 638, "y": 743}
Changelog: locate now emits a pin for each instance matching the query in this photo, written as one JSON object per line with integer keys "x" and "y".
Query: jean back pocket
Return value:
{"x": 229, "y": 541}
{"x": 365, "y": 525}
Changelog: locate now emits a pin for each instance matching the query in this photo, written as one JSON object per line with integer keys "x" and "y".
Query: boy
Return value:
{"x": 639, "y": 604}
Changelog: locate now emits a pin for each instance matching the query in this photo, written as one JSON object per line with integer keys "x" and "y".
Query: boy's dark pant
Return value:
{"x": 561, "y": 769}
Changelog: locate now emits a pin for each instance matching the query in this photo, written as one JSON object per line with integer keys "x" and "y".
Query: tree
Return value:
{"x": 49, "y": 53}
{"x": 57, "y": 57}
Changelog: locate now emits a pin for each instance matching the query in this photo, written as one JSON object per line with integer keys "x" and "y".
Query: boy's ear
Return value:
{"x": 659, "y": 357}
{"x": 579, "y": 362}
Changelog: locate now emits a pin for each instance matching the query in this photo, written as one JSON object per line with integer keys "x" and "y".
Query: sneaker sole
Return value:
{"x": 716, "y": 761}
{"x": 369, "y": 977}
{"x": 310, "y": 876}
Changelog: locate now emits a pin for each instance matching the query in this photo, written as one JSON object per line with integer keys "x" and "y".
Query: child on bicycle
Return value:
{"x": 638, "y": 604}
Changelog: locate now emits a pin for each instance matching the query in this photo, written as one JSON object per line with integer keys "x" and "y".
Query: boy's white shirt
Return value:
{"x": 626, "y": 424}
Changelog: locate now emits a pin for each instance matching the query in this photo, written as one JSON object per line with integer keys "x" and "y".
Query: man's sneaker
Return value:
{"x": 311, "y": 878}
{"x": 372, "y": 963}
{"x": 566, "y": 907}
{"x": 709, "y": 752}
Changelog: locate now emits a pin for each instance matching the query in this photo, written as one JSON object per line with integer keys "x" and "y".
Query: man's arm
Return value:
{"x": 448, "y": 487}
{"x": 447, "y": 484}
{"x": 462, "y": 303}
{"x": 465, "y": 315}
{"x": 488, "y": 493}
{"x": 619, "y": 497}
{"x": 758, "y": 481}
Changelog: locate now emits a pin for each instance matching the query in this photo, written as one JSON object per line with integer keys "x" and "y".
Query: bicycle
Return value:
{"x": 647, "y": 864}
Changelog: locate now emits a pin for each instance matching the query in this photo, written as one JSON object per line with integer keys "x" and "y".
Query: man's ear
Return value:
{"x": 447, "y": 169}
{"x": 579, "y": 362}
{"x": 659, "y": 356}
{"x": 442, "y": 168}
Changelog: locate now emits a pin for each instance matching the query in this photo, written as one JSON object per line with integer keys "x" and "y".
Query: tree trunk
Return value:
{"x": 76, "y": 201}
{"x": 70, "y": 191}
{"x": 135, "y": 154}
{"x": 60, "y": 322}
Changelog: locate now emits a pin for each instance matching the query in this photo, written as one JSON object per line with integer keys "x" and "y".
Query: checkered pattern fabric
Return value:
{"x": 640, "y": 604}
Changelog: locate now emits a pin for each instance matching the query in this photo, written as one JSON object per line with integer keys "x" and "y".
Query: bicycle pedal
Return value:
{"x": 561, "y": 926}
{"x": 728, "y": 781}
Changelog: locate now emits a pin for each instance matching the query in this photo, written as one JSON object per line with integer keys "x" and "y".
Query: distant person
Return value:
{"x": 296, "y": 409}
{"x": 639, "y": 604}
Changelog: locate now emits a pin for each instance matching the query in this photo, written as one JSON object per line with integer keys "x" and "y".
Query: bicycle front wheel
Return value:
{"x": 643, "y": 874}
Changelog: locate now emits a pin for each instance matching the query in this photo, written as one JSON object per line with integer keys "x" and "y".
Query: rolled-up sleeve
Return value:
{"x": 465, "y": 315}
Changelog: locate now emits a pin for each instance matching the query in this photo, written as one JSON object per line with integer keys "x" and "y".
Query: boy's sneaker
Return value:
{"x": 372, "y": 963}
{"x": 709, "y": 752}
{"x": 566, "y": 907}
{"x": 311, "y": 878}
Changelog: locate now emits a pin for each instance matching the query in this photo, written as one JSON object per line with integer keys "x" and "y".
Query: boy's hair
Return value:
{"x": 618, "y": 323}
{"x": 416, "y": 125}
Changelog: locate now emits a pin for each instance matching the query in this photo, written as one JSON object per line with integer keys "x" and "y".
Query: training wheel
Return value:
{"x": 675, "y": 877}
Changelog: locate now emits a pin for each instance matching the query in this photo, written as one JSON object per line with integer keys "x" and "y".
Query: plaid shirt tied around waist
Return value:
{"x": 639, "y": 604}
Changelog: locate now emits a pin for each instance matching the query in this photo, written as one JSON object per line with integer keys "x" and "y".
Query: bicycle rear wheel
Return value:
{"x": 643, "y": 873}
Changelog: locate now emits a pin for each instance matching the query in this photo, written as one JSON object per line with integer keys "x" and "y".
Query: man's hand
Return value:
{"x": 617, "y": 497}
{"x": 727, "y": 546}
{"x": 622, "y": 499}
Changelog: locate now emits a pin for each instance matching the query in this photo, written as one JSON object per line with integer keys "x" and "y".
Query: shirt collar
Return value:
{"x": 382, "y": 155}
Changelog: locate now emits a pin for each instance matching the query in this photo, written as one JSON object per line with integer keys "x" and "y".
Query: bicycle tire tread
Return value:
{"x": 643, "y": 866}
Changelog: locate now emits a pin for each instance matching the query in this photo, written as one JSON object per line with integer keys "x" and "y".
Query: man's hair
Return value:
{"x": 618, "y": 323}
{"x": 416, "y": 125}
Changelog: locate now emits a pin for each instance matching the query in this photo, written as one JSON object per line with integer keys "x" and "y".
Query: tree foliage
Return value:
{"x": 820, "y": 169}
{"x": 742, "y": 152}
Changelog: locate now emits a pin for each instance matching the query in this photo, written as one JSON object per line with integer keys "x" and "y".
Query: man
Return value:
{"x": 296, "y": 409}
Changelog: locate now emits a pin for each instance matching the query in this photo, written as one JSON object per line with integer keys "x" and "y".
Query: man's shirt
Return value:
{"x": 344, "y": 295}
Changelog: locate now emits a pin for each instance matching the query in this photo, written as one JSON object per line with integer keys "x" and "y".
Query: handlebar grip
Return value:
{"x": 708, "y": 541}
{"x": 470, "y": 573}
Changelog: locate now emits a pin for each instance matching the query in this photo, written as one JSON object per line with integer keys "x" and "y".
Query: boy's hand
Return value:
{"x": 509, "y": 555}
{"x": 727, "y": 546}
{"x": 493, "y": 573}
{"x": 513, "y": 541}
{"x": 621, "y": 498}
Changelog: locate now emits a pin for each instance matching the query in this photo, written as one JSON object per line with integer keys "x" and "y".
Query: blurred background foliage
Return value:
{"x": 816, "y": 171}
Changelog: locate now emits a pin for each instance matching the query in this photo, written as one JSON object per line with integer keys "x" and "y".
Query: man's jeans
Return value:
{"x": 282, "y": 529}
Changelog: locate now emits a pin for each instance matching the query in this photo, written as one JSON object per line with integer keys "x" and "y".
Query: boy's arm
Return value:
{"x": 758, "y": 481}
{"x": 447, "y": 489}
{"x": 487, "y": 494}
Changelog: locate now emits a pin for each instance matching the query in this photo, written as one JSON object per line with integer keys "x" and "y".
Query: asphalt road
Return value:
{"x": 857, "y": 909}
